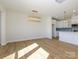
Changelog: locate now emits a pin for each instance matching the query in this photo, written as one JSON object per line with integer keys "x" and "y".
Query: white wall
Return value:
{"x": 3, "y": 25}
{"x": 49, "y": 27}
{"x": 0, "y": 27}
{"x": 20, "y": 28}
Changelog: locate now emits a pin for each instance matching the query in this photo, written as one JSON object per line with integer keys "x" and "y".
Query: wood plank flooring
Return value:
{"x": 39, "y": 49}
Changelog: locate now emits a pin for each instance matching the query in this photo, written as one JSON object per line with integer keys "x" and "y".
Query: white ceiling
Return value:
{"x": 45, "y": 7}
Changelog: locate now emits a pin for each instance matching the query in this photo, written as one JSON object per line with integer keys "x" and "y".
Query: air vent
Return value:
{"x": 35, "y": 11}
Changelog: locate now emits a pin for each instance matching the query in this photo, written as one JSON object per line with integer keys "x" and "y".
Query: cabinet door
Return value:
{"x": 74, "y": 20}
{"x": 63, "y": 24}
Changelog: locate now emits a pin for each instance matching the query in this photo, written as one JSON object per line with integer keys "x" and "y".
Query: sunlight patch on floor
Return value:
{"x": 11, "y": 56}
{"x": 39, "y": 54}
{"x": 27, "y": 49}
{"x": 70, "y": 54}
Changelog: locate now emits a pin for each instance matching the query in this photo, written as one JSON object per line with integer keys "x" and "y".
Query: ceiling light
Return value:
{"x": 60, "y": 1}
{"x": 74, "y": 11}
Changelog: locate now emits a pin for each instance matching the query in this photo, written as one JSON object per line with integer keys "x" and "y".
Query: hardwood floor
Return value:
{"x": 39, "y": 49}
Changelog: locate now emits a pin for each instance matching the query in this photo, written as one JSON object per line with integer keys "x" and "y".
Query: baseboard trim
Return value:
{"x": 26, "y": 39}
{"x": 3, "y": 44}
{"x": 69, "y": 43}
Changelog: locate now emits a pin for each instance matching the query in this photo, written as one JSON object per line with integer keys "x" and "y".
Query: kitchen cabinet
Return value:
{"x": 63, "y": 24}
{"x": 65, "y": 36}
{"x": 74, "y": 20}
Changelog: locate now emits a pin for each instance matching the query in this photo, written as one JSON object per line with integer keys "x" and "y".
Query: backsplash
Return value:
{"x": 66, "y": 29}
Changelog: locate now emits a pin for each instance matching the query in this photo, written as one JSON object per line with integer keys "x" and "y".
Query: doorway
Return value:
{"x": 52, "y": 30}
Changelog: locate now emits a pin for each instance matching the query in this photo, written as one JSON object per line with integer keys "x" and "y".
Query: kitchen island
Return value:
{"x": 69, "y": 37}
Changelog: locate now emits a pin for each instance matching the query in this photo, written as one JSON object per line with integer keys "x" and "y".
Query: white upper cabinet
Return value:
{"x": 74, "y": 20}
{"x": 67, "y": 23}
{"x": 62, "y": 24}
